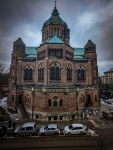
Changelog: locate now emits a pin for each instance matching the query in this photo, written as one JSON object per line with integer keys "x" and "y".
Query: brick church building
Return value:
{"x": 54, "y": 81}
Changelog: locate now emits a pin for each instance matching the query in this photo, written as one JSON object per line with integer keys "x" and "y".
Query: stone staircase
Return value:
{"x": 23, "y": 111}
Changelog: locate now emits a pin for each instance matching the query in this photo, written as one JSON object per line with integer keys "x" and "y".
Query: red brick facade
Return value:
{"x": 50, "y": 95}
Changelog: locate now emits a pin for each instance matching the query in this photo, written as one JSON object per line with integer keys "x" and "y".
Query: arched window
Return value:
{"x": 55, "y": 72}
{"x": 55, "y": 102}
{"x": 41, "y": 73}
{"x": 28, "y": 73}
{"x": 81, "y": 74}
{"x": 60, "y": 102}
{"x": 69, "y": 73}
{"x": 49, "y": 103}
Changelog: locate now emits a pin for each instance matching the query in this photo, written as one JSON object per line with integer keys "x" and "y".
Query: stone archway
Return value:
{"x": 88, "y": 102}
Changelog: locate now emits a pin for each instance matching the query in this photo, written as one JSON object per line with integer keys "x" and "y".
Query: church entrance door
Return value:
{"x": 20, "y": 99}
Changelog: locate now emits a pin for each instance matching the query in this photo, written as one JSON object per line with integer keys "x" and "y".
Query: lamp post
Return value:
{"x": 77, "y": 90}
{"x": 32, "y": 101}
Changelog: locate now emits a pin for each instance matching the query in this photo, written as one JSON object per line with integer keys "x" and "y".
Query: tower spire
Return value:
{"x": 55, "y": 3}
{"x": 55, "y": 11}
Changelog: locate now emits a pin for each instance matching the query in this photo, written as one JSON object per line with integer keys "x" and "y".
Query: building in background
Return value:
{"x": 54, "y": 81}
{"x": 107, "y": 84}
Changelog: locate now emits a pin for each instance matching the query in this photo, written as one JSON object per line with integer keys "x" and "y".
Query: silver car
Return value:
{"x": 49, "y": 130}
{"x": 26, "y": 129}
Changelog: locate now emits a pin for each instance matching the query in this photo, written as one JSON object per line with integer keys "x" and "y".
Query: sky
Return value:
{"x": 86, "y": 19}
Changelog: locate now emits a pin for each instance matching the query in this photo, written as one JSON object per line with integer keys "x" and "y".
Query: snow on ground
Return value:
{"x": 3, "y": 102}
{"x": 91, "y": 132}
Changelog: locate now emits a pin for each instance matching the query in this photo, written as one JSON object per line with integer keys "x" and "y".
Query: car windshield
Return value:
{"x": 20, "y": 127}
{"x": 70, "y": 126}
{"x": 45, "y": 128}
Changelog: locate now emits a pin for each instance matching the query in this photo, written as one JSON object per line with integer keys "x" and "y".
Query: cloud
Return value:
{"x": 87, "y": 19}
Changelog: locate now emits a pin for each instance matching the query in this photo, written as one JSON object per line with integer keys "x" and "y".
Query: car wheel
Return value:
{"x": 69, "y": 133}
{"x": 42, "y": 134}
{"x": 81, "y": 133}
{"x": 30, "y": 134}
{"x": 16, "y": 134}
{"x": 55, "y": 133}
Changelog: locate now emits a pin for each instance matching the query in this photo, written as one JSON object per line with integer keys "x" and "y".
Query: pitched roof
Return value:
{"x": 110, "y": 70}
{"x": 79, "y": 54}
{"x": 19, "y": 40}
{"x": 30, "y": 52}
{"x": 56, "y": 40}
{"x": 89, "y": 43}
{"x": 78, "y": 51}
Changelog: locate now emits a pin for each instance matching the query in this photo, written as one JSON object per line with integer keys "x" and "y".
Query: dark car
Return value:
{"x": 3, "y": 131}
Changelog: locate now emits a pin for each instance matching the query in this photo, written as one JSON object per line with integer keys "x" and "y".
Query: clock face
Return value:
{"x": 55, "y": 21}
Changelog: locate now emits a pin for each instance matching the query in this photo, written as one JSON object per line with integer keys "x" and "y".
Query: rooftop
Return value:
{"x": 55, "y": 40}
{"x": 110, "y": 70}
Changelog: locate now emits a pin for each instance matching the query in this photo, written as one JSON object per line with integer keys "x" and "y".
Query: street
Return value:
{"x": 59, "y": 142}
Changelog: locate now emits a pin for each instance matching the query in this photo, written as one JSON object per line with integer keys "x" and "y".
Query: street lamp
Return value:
{"x": 33, "y": 90}
{"x": 77, "y": 90}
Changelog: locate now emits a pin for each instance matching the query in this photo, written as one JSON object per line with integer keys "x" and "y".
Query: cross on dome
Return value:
{"x": 55, "y": 3}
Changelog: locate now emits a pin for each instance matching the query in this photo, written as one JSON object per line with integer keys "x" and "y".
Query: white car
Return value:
{"x": 75, "y": 129}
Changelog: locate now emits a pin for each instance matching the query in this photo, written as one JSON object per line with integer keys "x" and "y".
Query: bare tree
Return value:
{"x": 4, "y": 76}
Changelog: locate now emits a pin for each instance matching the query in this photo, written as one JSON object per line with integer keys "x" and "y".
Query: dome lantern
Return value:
{"x": 55, "y": 11}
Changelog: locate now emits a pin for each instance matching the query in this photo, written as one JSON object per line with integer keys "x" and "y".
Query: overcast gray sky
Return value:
{"x": 87, "y": 19}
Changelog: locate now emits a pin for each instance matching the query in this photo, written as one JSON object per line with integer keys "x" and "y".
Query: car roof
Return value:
{"x": 52, "y": 125}
{"x": 77, "y": 124}
{"x": 28, "y": 124}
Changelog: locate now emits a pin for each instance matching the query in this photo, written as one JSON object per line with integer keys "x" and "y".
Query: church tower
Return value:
{"x": 90, "y": 54}
{"x": 18, "y": 52}
{"x": 55, "y": 26}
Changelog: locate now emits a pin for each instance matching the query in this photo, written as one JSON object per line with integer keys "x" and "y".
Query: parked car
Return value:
{"x": 26, "y": 129}
{"x": 3, "y": 131}
{"x": 109, "y": 102}
{"x": 75, "y": 129}
{"x": 49, "y": 130}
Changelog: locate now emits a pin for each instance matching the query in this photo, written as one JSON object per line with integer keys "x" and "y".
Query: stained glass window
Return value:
{"x": 41, "y": 73}
{"x": 55, "y": 72}
{"x": 81, "y": 74}
{"x": 28, "y": 73}
{"x": 69, "y": 73}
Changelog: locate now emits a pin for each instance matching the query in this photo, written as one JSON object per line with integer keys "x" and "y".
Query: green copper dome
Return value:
{"x": 55, "y": 19}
